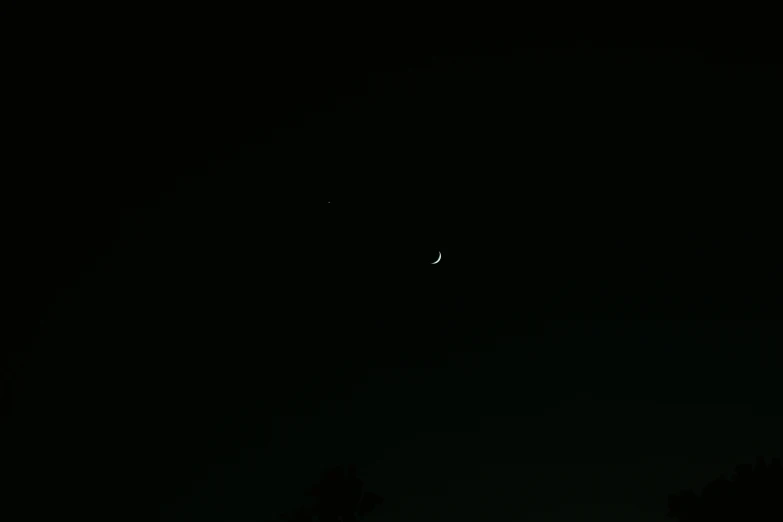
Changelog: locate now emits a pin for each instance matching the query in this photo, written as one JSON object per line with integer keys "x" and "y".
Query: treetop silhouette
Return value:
{"x": 752, "y": 494}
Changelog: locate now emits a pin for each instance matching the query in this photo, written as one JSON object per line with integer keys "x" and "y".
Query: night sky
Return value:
{"x": 235, "y": 313}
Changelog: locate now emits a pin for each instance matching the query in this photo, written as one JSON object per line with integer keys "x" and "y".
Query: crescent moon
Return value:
{"x": 437, "y": 260}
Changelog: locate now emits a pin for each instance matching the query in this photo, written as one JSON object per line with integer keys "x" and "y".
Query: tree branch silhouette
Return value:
{"x": 339, "y": 497}
{"x": 752, "y": 494}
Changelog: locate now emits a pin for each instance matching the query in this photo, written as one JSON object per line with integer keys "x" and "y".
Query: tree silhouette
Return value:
{"x": 750, "y": 495}
{"x": 369, "y": 501}
{"x": 339, "y": 497}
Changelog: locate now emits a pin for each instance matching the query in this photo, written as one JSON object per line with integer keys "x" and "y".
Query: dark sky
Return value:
{"x": 249, "y": 297}
{"x": 588, "y": 419}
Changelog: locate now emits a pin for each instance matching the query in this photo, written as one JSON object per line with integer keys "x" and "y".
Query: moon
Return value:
{"x": 437, "y": 260}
